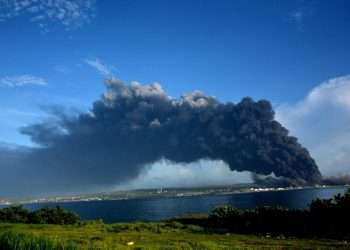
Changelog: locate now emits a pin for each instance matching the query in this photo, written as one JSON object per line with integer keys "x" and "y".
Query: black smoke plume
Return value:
{"x": 134, "y": 125}
{"x": 271, "y": 181}
{"x": 336, "y": 180}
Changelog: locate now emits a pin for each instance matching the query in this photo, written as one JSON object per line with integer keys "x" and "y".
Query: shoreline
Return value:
{"x": 174, "y": 193}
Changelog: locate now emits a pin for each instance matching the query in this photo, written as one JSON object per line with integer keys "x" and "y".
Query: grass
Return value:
{"x": 11, "y": 240}
{"x": 163, "y": 235}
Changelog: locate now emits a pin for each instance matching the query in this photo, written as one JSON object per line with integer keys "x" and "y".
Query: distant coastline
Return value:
{"x": 161, "y": 193}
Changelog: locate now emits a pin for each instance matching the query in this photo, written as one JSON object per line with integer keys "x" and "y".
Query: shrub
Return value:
{"x": 15, "y": 214}
{"x": 323, "y": 218}
{"x": 55, "y": 215}
{"x": 46, "y": 215}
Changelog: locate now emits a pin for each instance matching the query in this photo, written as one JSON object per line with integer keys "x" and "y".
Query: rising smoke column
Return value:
{"x": 134, "y": 125}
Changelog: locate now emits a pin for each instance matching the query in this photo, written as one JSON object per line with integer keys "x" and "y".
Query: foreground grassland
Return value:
{"x": 172, "y": 235}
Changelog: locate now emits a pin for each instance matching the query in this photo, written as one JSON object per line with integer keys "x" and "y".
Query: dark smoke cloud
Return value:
{"x": 336, "y": 180}
{"x": 274, "y": 182}
{"x": 134, "y": 125}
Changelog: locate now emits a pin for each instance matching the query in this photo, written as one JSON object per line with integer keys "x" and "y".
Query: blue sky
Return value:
{"x": 59, "y": 52}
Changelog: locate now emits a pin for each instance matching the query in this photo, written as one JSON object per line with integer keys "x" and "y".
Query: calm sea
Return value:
{"x": 154, "y": 209}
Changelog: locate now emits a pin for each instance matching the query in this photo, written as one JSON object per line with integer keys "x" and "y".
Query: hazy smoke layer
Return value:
{"x": 336, "y": 180}
{"x": 133, "y": 125}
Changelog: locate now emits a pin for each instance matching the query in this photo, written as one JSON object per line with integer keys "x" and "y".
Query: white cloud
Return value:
{"x": 69, "y": 13}
{"x": 201, "y": 173}
{"x": 101, "y": 67}
{"x": 22, "y": 80}
{"x": 321, "y": 121}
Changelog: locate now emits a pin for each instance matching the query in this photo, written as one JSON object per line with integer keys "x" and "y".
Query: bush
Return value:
{"x": 15, "y": 214}
{"x": 226, "y": 217}
{"x": 46, "y": 215}
{"x": 323, "y": 218}
{"x": 55, "y": 215}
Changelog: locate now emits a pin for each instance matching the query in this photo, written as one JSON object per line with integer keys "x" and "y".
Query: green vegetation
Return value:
{"x": 223, "y": 228}
{"x": 326, "y": 218}
{"x": 18, "y": 241}
{"x": 46, "y": 215}
{"x": 164, "y": 235}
